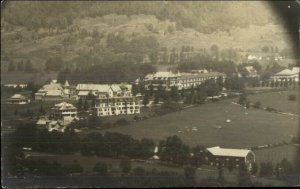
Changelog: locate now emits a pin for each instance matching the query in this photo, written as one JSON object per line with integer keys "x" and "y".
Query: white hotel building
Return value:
{"x": 112, "y": 99}
{"x": 180, "y": 80}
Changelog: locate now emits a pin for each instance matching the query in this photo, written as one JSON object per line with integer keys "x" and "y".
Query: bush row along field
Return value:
{"x": 89, "y": 162}
{"x": 278, "y": 100}
{"x": 207, "y": 125}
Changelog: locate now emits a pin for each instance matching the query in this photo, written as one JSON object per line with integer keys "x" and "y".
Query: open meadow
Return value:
{"x": 223, "y": 123}
{"x": 278, "y": 100}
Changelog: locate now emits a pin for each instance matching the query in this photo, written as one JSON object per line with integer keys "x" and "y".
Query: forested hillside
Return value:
{"x": 52, "y": 36}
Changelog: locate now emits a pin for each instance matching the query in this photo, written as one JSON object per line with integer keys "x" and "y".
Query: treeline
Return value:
{"x": 107, "y": 73}
{"x": 171, "y": 151}
{"x": 208, "y": 63}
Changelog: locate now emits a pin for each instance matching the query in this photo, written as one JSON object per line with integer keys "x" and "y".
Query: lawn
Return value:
{"x": 278, "y": 100}
{"x": 276, "y": 154}
{"x": 247, "y": 127}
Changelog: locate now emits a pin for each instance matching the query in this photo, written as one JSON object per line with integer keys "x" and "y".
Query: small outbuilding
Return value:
{"x": 18, "y": 99}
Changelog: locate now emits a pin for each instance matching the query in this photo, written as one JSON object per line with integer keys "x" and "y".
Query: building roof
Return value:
{"x": 83, "y": 93}
{"x": 295, "y": 70}
{"x": 93, "y": 87}
{"x": 197, "y": 75}
{"x": 67, "y": 83}
{"x": 217, "y": 151}
{"x": 285, "y": 72}
{"x": 18, "y": 96}
{"x": 250, "y": 69}
{"x": 54, "y": 93}
{"x": 64, "y": 106}
{"x": 52, "y": 86}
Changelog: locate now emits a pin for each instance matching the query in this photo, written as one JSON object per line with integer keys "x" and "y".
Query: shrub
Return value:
{"x": 257, "y": 104}
{"x": 292, "y": 97}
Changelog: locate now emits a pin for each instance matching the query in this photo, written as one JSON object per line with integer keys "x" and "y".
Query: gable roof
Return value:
{"x": 93, "y": 87}
{"x": 64, "y": 106}
{"x": 18, "y": 96}
{"x": 217, "y": 151}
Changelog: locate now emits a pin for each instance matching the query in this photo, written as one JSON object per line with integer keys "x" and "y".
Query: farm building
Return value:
{"x": 288, "y": 74}
{"x": 179, "y": 80}
{"x": 18, "y": 99}
{"x": 53, "y": 91}
{"x": 224, "y": 156}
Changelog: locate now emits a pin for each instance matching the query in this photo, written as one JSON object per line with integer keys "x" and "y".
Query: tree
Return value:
{"x": 247, "y": 104}
{"x": 292, "y": 97}
{"x": 11, "y": 67}
{"x": 75, "y": 167}
{"x": 214, "y": 50}
{"x": 173, "y": 150}
{"x": 242, "y": 99}
{"x": 266, "y": 169}
{"x": 265, "y": 49}
{"x": 86, "y": 105}
{"x": 146, "y": 99}
{"x": 198, "y": 157}
{"x": 42, "y": 110}
{"x": 254, "y": 168}
{"x": 20, "y": 66}
{"x": 125, "y": 165}
{"x": 139, "y": 171}
{"x": 79, "y": 106}
{"x": 287, "y": 167}
{"x": 189, "y": 173}
{"x": 28, "y": 66}
{"x": 134, "y": 89}
{"x": 100, "y": 168}
{"x": 257, "y": 104}
{"x": 244, "y": 179}
{"x": 220, "y": 178}
{"x": 156, "y": 99}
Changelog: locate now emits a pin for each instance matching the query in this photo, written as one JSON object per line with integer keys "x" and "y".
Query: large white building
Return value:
{"x": 53, "y": 91}
{"x": 288, "y": 74}
{"x": 180, "y": 80}
{"x": 114, "y": 99}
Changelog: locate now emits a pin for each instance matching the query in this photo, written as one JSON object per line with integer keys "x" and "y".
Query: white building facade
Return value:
{"x": 114, "y": 99}
{"x": 180, "y": 80}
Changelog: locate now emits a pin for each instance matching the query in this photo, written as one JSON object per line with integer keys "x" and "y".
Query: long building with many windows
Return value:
{"x": 180, "y": 80}
{"x": 112, "y": 99}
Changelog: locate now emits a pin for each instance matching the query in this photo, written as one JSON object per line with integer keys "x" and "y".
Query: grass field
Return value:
{"x": 248, "y": 127}
{"x": 278, "y": 100}
{"x": 276, "y": 154}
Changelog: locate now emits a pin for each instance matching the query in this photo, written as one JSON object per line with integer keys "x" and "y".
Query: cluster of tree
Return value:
{"x": 107, "y": 73}
{"x": 255, "y": 82}
{"x": 21, "y": 67}
{"x": 28, "y": 135}
{"x": 255, "y": 65}
{"x": 116, "y": 145}
{"x": 270, "y": 70}
{"x": 198, "y": 94}
{"x": 206, "y": 62}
